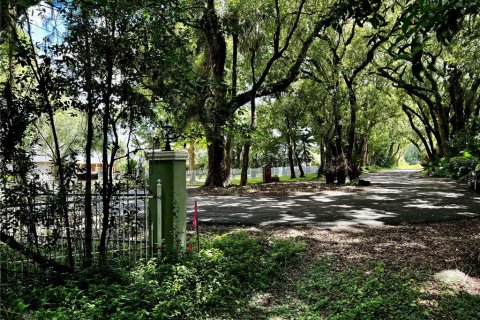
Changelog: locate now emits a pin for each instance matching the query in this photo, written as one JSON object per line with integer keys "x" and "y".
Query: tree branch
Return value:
{"x": 44, "y": 262}
{"x": 409, "y": 88}
{"x": 406, "y": 109}
{"x": 277, "y": 54}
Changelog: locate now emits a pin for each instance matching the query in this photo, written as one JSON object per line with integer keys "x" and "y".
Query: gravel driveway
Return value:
{"x": 395, "y": 197}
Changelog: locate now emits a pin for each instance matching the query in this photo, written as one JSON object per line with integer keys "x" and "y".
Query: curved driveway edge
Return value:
{"x": 395, "y": 197}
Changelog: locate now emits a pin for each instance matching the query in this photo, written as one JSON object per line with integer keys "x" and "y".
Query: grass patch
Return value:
{"x": 409, "y": 166}
{"x": 195, "y": 184}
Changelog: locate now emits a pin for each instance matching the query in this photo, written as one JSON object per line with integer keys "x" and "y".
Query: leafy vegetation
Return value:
{"x": 359, "y": 292}
{"x": 453, "y": 305}
{"x": 356, "y": 81}
{"x": 219, "y": 281}
{"x": 369, "y": 291}
{"x": 242, "y": 275}
{"x": 456, "y": 167}
{"x": 345, "y": 83}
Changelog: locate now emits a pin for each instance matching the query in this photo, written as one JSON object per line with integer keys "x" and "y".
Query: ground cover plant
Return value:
{"x": 422, "y": 271}
{"x": 390, "y": 272}
{"x": 217, "y": 281}
{"x": 358, "y": 292}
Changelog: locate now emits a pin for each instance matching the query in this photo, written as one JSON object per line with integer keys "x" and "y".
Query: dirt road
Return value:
{"x": 395, "y": 197}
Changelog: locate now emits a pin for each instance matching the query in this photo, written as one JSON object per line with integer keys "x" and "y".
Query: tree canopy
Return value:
{"x": 345, "y": 83}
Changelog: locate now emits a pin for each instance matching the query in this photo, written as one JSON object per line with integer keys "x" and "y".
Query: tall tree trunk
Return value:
{"x": 238, "y": 158}
{"x": 246, "y": 147}
{"x": 430, "y": 139}
{"x": 63, "y": 206}
{"x": 290, "y": 150}
{"x": 245, "y": 163}
{"x": 88, "y": 192}
{"x": 216, "y": 158}
{"x": 229, "y": 144}
{"x": 353, "y": 122}
{"x": 234, "y": 62}
{"x": 290, "y": 158}
{"x": 106, "y": 183}
{"x": 339, "y": 161}
{"x": 191, "y": 160}
{"x": 444, "y": 126}
{"x": 365, "y": 153}
{"x": 353, "y": 172}
{"x": 321, "y": 167}
{"x": 457, "y": 95}
{"x": 299, "y": 162}
{"x": 214, "y": 65}
{"x": 228, "y": 153}
{"x": 330, "y": 169}
{"x": 88, "y": 159}
{"x": 337, "y": 126}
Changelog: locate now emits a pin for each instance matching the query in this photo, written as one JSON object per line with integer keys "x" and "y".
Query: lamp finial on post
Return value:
{"x": 168, "y": 135}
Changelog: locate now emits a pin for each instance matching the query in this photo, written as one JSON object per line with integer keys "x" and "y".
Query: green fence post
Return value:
{"x": 168, "y": 206}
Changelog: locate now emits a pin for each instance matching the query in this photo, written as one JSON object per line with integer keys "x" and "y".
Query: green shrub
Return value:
{"x": 459, "y": 167}
{"x": 439, "y": 168}
{"x": 456, "y": 167}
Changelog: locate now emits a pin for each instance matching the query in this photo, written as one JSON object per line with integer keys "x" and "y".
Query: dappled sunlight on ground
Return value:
{"x": 395, "y": 197}
{"x": 442, "y": 257}
{"x": 428, "y": 205}
{"x": 435, "y": 246}
{"x": 445, "y": 194}
{"x": 451, "y": 281}
{"x": 468, "y": 214}
{"x": 454, "y": 278}
{"x": 424, "y": 227}
{"x": 320, "y": 199}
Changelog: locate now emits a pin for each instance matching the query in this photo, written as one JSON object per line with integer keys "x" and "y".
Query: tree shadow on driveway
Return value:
{"x": 395, "y": 197}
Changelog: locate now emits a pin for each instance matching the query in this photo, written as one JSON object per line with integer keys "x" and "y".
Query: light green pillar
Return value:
{"x": 167, "y": 173}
